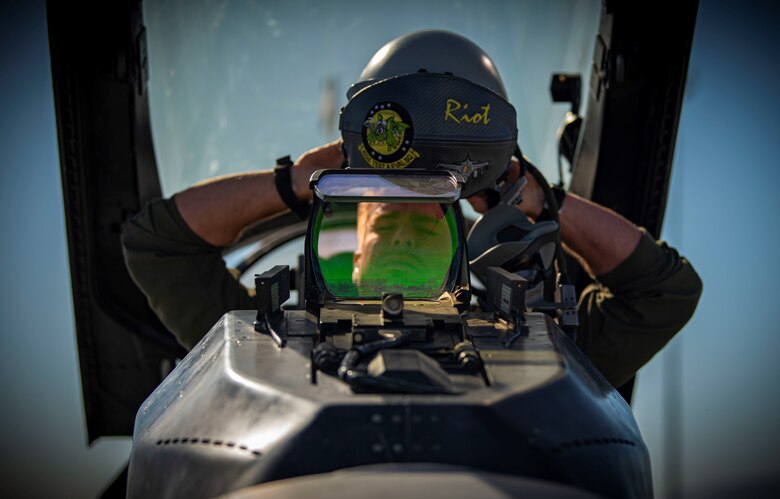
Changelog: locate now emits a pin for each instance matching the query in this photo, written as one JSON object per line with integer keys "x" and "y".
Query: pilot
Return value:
{"x": 401, "y": 247}
{"x": 644, "y": 291}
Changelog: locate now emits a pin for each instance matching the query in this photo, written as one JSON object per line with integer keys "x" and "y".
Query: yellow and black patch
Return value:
{"x": 388, "y": 135}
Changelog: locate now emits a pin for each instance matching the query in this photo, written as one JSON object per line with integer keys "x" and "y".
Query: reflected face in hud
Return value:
{"x": 402, "y": 247}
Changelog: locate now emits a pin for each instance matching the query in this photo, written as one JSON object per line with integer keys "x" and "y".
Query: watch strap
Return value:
{"x": 283, "y": 182}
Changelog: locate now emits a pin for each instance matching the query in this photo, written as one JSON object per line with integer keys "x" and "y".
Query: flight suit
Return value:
{"x": 626, "y": 316}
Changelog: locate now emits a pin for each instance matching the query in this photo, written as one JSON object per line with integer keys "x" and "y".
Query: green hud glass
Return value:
{"x": 376, "y": 231}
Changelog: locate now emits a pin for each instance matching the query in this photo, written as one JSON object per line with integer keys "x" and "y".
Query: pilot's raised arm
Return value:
{"x": 409, "y": 110}
{"x": 173, "y": 247}
{"x": 645, "y": 292}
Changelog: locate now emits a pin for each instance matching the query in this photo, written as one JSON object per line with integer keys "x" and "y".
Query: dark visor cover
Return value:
{"x": 434, "y": 122}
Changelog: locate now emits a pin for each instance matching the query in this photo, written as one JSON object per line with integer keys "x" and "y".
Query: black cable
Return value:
{"x": 522, "y": 159}
{"x": 353, "y": 356}
{"x": 560, "y": 172}
{"x": 349, "y": 373}
{"x": 552, "y": 207}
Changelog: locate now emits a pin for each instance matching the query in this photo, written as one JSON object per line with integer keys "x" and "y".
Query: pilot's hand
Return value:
{"x": 533, "y": 196}
{"x": 327, "y": 156}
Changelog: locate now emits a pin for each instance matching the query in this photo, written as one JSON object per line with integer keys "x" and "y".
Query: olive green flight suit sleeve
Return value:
{"x": 630, "y": 313}
{"x": 183, "y": 277}
{"x": 626, "y": 317}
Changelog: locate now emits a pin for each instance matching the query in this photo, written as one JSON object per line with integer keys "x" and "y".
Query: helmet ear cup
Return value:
{"x": 503, "y": 237}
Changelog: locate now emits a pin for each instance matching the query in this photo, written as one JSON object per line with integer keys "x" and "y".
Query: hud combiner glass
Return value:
{"x": 385, "y": 232}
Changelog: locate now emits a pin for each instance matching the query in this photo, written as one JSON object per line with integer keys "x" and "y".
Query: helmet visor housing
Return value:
{"x": 431, "y": 121}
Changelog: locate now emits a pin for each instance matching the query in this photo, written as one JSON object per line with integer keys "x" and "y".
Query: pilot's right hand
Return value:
{"x": 328, "y": 156}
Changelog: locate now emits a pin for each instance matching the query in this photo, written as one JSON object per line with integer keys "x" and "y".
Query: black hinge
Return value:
{"x": 141, "y": 62}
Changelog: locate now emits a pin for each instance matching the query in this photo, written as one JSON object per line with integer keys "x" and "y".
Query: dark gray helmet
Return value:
{"x": 431, "y": 100}
{"x": 433, "y": 51}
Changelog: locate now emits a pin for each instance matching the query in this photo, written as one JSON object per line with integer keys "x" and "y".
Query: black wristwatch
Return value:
{"x": 283, "y": 182}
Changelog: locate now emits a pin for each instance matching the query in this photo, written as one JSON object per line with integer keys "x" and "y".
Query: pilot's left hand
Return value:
{"x": 533, "y": 196}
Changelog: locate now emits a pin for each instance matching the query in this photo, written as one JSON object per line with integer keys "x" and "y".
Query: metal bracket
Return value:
{"x": 272, "y": 290}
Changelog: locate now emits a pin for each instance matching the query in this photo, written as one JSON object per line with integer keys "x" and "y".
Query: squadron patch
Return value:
{"x": 387, "y": 137}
